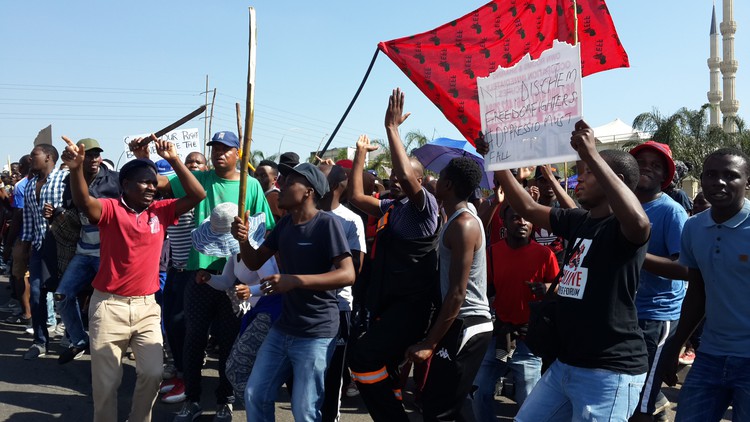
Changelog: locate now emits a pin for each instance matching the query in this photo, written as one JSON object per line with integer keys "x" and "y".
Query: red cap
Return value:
{"x": 665, "y": 152}
{"x": 347, "y": 164}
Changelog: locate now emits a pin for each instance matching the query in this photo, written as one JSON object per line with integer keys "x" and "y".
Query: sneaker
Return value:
{"x": 18, "y": 319}
{"x": 72, "y": 353}
{"x": 351, "y": 390}
{"x": 29, "y": 327}
{"x": 190, "y": 411}
{"x": 176, "y": 394}
{"x": 224, "y": 413}
{"x": 687, "y": 358}
{"x": 35, "y": 351}
{"x": 65, "y": 342}
{"x": 661, "y": 405}
{"x": 167, "y": 385}
{"x": 11, "y": 305}
{"x": 169, "y": 372}
{"x": 59, "y": 330}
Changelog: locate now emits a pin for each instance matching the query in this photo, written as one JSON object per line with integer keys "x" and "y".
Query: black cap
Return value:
{"x": 132, "y": 165}
{"x": 555, "y": 172}
{"x": 314, "y": 176}
{"x": 336, "y": 175}
{"x": 289, "y": 159}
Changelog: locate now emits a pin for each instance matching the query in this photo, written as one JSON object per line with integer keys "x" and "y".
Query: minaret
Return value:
{"x": 729, "y": 105}
{"x": 714, "y": 61}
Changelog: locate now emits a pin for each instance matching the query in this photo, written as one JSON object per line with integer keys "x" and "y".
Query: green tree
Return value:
{"x": 664, "y": 129}
{"x": 257, "y": 156}
{"x": 412, "y": 140}
{"x": 690, "y": 136}
{"x": 343, "y": 154}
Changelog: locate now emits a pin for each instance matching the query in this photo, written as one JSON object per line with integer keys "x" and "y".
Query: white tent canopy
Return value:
{"x": 617, "y": 133}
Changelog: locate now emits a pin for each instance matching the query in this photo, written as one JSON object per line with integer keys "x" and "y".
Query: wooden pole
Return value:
{"x": 239, "y": 122}
{"x": 575, "y": 41}
{"x": 249, "y": 113}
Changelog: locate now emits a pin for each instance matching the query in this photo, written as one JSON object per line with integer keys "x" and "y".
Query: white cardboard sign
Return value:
{"x": 185, "y": 140}
{"x": 528, "y": 111}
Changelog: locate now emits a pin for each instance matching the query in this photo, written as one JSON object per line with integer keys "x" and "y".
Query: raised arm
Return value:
{"x": 402, "y": 169}
{"x": 521, "y": 201}
{"x": 194, "y": 192}
{"x": 73, "y": 156}
{"x": 491, "y": 205}
{"x": 365, "y": 202}
{"x": 634, "y": 222}
{"x": 562, "y": 197}
{"x": 515, "y": 194}
{"x": 141, "y": 151}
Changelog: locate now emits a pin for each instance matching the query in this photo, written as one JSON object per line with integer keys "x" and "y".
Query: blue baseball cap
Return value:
{"x": 227, "y": 138}
{"x": 164, "y": 168}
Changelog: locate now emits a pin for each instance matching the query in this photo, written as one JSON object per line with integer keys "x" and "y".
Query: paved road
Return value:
{"x": 42, "y": 390}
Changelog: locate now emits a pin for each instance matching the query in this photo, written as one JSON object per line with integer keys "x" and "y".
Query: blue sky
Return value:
{"x": 111, "y": 69}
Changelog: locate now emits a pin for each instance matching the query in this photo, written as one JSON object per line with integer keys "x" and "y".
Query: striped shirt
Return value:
{"x": 34, "y": 224}
{"x": 180, "y": 240}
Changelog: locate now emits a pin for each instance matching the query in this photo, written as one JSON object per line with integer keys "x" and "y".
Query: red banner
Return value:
{"x": 445, "y": 62}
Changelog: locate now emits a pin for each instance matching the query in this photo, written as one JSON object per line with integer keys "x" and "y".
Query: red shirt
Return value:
{"x": 509, "y": 271}
{"x": 131, "y": 245}
{"x": 496, "y": 226}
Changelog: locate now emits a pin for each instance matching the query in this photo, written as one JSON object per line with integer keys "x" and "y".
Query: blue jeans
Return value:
{"x": 526, "y": 369}
{"x": 49, "y": 300}
{"x": 569, "y": 393}
{"x": 280, "y": 356}
{"x": 711, "y": 385}
{"x": 37, "y": 301}
{"x": 80, "y": 273}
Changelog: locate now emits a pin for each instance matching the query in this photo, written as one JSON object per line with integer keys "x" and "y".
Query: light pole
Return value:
{"x": 282, "y": 138}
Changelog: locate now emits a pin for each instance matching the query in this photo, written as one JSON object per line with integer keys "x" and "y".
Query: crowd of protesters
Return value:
{"x": 333, "y": 282}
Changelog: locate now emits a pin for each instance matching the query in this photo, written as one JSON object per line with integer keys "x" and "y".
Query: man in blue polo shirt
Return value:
{"x": 716, "y": 251}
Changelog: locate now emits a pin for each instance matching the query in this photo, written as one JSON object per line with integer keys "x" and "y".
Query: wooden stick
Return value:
{"x": 249, "y": 110}
{"x": 173, "y": 126}
{"x": 239, "y": 122}
{"x": 575, "y": 20}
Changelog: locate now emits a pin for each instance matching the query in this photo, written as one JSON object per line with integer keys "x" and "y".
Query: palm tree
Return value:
{"x": 689, "y": 135}
{"x": 412, "y": 140}
{"x": 257, "y": 156}
{"x": 664, "y": 129}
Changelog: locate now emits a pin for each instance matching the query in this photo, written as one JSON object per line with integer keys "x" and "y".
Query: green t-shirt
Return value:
{"x": 220, "y": 190}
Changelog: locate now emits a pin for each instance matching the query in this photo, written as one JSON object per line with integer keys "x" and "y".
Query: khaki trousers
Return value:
{"x": 116, "y": 322}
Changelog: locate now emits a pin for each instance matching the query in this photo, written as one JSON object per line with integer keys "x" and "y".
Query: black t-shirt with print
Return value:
{"x": 309, "y": 248}
{"x": 597, "y": 317}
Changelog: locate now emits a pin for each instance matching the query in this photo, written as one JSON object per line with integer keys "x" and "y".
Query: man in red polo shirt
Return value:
{"x": 123, "y": 310}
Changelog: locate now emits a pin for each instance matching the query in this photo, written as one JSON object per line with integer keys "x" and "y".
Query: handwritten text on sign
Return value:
{"x": 529, "y": 110}
{"x": 185, "y": 140}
